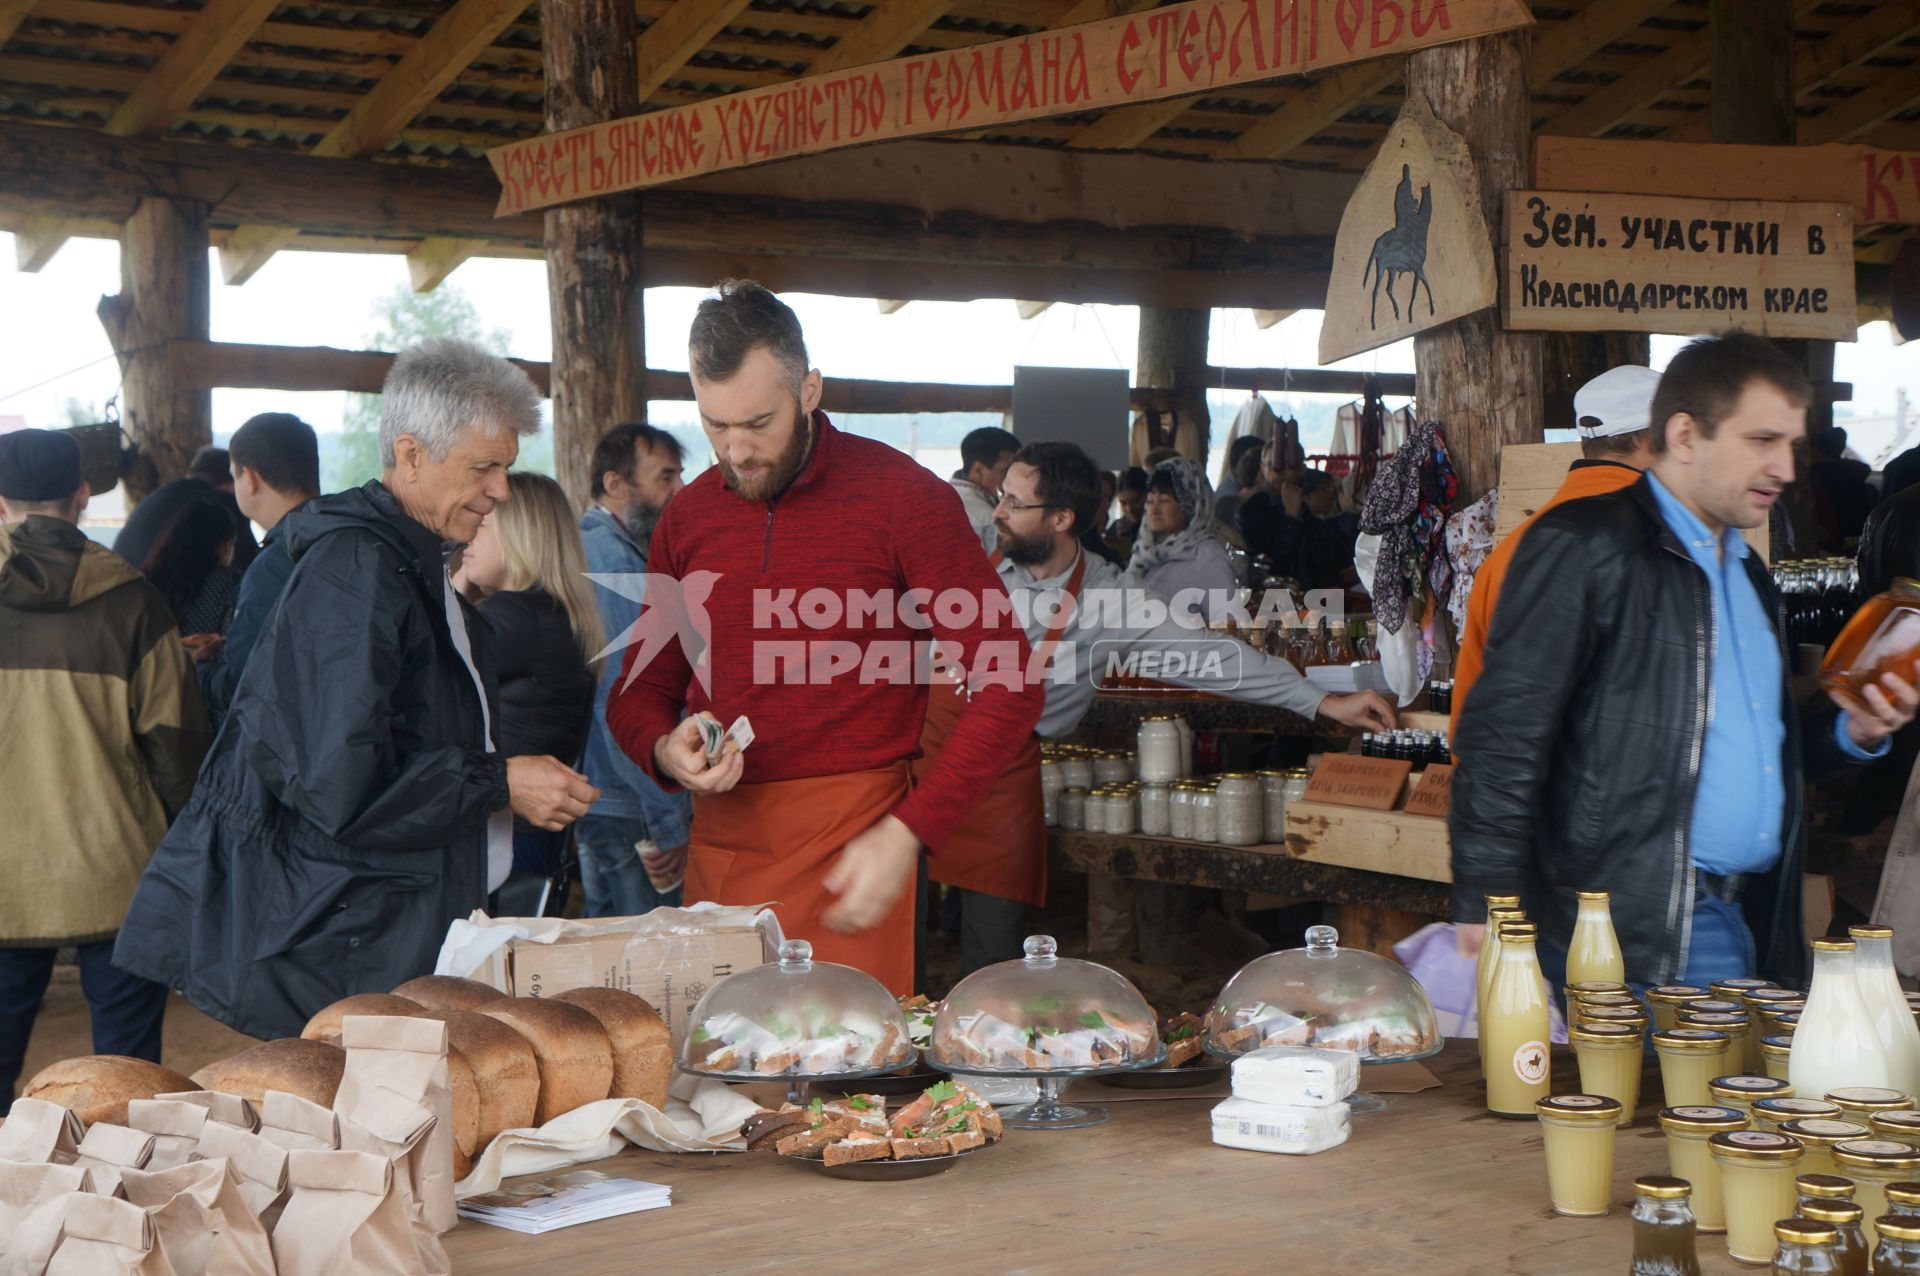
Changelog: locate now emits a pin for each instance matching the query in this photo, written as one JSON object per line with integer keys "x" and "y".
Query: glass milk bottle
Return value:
{"x": 1886, "y": 1003}
{"x": 1594, "y": 952}
{"x": 1835, "y": 1044}
{"x": 1487, "y": 963}
{"x": 1515, "y": 1027}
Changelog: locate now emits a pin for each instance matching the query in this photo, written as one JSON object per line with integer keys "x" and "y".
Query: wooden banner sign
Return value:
{"x": 1347, "y": 779}
{"x": 1414, "y": 217}
{"x": 1166, "y": 52}
{"x": 1643, "y": 263}
{"x": 1434, "y": 793}
{"x": 1883, "y": 186}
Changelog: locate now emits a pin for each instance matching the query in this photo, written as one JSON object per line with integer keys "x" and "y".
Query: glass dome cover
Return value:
{"x": 1327, "y": 996}
{"x": 796, "y": 1018}
{"x": 1045, "y": 1014}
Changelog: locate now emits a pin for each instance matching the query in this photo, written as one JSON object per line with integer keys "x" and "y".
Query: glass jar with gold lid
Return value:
{"x": 1846, "y": 1218}
{"x": 1687, "y": 1130}
{"x": 1073, "y": 808}
{"x": 1896, "y": 1246}
{"x": 1610, "y": 1056}
{"x": 1740, "y": 1092}
{"x": 1734, "y": 1025}
{"x": 1902, "y": 1126}
{"x": 1665, "y": 1002}
{"x": 1821, "y": 1135}
{"x": 1597, "y": 988}
{"x": 1615, "y": 999}
{"x": 1768, "y": 1114}
{"x": 1663, "y": 1225}
{"x": 1180, "y": 810}
{"x": 1821, "y": 1187}
{"x": 1774, "y": 1053}
{"x": 1628, "y": 1015}
{"x": 1578, "y": 1130}
{"x": 1860, "y": 1101}
{"x": 1903, "y": 1198}
{"x": 1872, "y": 1164}
{"x": 1689, "y": 1059}
{"x": 1756, "y": 1180}
{"x": 1238, "y": 808}
{"x": 1206, "y": 812}
{"x": 1736, "y": 989}
{"x": 1804, "y": 1247}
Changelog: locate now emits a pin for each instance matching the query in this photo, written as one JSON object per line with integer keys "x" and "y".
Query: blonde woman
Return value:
{"x": 526, "y": 570}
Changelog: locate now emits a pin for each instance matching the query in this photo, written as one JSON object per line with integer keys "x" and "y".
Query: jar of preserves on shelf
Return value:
{"x": 1073, "y": 808}
{"x": 1158, "y": 742}
{"x": 1180, "y": 811}
{"x": 1186, "y": 743}
{"x": 1122, "y": 819}
{"x": 1206, "y": 813}
{"x": 1273, "y": 806}
{"x": 1296, "y": 787}
{"x": 1156, "y": 814}
{"x": 1238, "y": 807}
{"x": 1076, "y": 773}
{"x": 1111, "y": 767}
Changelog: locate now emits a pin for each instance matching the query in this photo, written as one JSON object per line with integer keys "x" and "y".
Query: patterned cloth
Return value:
{"x": 1194, "y": 495}
{"x": 1407, "y": 509}
{"x": 1469, "y": 541}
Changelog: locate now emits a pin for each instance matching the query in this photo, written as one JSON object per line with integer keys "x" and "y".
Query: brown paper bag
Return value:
{"x": 347, "y": 1217}
{"x": 259, "y": 1167}
{"x": 40, "y": 1133}
{"x": 175, "y": 1126}
{"x": 226, "y": 1109}
{"x": 103, "y": 1236}
{"x": 202, "y": 1224}
{"x": 297, "y": 1124}
{"x": 397, "y": 1070}
{"x": 108, "y": 1149}
{"x": 32, "y": 1203}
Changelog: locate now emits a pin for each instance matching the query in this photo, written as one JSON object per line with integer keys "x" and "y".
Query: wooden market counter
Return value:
{"x": 1433, "y": 1185}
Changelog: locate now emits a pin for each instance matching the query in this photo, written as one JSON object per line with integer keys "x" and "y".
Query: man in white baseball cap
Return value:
{"x": 1611, "y": 412}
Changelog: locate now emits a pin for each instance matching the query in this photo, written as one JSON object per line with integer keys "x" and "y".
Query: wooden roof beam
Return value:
{"x": 677, "y": 35}
{"x": 437, "y": 256}
{"x": 12, "y": 14}
{"x": 1330, "y": 97}
{"x": 1843, "y": 121}
{"x": 882, "y": 35}
{"x": 433, "y": 63}
{"x": 1565, "y": 45}
{"x": 1606, "y": 106}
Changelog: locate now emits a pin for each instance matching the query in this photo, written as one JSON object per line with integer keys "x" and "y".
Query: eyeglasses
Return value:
{"x": 1013, "y": 506}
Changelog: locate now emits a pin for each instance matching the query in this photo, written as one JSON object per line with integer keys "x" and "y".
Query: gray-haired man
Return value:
{"x": 355, "y": 803}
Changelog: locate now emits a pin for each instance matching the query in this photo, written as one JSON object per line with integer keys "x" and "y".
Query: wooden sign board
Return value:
{"x": 1882, "y": 185}
{"x": 1412, "y": 227}
{"x": 1530, "y": 473}
{"x": 1173, "y": 51}
{"x": 1641, "y": 263}
{"x": 1433, "y": 793}
{"x": 1344, "y": 779}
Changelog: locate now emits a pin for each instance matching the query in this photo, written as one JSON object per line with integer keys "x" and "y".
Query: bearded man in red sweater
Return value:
{"x": 833, "y": 559}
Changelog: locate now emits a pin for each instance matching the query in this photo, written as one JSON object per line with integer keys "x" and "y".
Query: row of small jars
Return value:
{"x": 1239, "y": 808}
{"x": 1076, "y": 766}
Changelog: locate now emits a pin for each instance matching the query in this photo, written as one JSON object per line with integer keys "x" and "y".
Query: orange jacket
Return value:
{"x": 1586, "y": 478}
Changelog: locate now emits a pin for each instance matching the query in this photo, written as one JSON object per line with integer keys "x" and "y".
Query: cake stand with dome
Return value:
{"x": 1326, "y": 996}
{"x": 1048, "y": 1018}
{"x": 799, "y": 1021}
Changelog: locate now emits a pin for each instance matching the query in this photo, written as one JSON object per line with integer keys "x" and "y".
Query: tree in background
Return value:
{"x": 406, "y": 318}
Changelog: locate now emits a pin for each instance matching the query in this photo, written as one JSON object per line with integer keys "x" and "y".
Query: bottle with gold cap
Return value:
{"x": 1593, "y": 954}
{"x": 1687, "y": 1130}
{"x": 1578, "y": 1131}
{"x": 1850, "y": 1246}
{"x": 1611, "y": 1056}
{"x": 1756, "y": 1181}
{"x": 1903, "y": 1198}
{"x": 1896, "y": 1245}
{"x": 1805, "y": 1247}
{"x": 1835, "y": 1043}
{"x": 1818, "y": 1188}
{"x": 1872, "y": 1164}
{"x": 1663, "y": 1227}
{"x": 1515, "y": 1027}
{"x": 1886, "y": 1003}
{"x": 1489, "y": 961}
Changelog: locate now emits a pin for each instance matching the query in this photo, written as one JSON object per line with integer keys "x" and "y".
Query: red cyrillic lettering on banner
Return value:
{"x": 1428, "y": 13}
{"x": 1129, "y": 43}
{"x": 1384, "y": 9}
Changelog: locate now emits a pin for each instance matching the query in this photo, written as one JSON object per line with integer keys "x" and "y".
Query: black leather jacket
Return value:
{"x": 1580, "y": 744}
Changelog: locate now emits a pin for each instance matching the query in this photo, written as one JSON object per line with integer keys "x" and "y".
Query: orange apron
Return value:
{"x": 1000, "y": 847}
{"x": 778, "y": 840}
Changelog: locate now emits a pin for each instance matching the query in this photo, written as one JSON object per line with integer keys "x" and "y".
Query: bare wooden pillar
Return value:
{"x": 1173, "y": 357}
{"x": 1571, "y": 359}
{"x": 1481, "y": 383}
{"x": 164, "y": 296}
{"x": 594, "y": 284}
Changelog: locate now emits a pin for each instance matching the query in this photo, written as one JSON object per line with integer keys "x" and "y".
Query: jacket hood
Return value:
{"x": 364, "y": 509}
{"x": 50, "y": 565}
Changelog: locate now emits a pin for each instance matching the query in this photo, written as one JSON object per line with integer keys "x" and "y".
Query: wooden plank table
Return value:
{"x": 1431, "y": 1185}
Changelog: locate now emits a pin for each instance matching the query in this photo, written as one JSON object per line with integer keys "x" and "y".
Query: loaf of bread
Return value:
{"x": 445, "y": 992}
{"x": 97, "y": 1087}
{"x": 325, "y": 1026}
{"x": 642, "y": 1047}
{"x": 504, "y": 1070}
{"x": 464, "y": 1083}
{"x": 309, "y": 1069}
{"x": 570, "y": 1049}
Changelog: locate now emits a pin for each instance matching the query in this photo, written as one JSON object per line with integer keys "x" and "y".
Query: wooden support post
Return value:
{"x": 1482, "y": 383}
{"x": 594, "y": 281}
{"x": 1173, "y": 354}
{"x": 1571, "y": 359}
{"x": 164, "y": 296}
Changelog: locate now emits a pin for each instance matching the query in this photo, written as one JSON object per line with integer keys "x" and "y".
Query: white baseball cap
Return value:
{"x": 1618, "y": 401}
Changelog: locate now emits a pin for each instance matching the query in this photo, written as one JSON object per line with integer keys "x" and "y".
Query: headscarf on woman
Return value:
{"x": 1194, "y": 495}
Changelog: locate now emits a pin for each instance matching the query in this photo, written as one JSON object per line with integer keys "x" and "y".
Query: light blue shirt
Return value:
{"x": 1741, "y": 796}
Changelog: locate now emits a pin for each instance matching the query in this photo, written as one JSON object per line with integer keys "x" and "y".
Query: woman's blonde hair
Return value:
{"x": 540, "y": 544}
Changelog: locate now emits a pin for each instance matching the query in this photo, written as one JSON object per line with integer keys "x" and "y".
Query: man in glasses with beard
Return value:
{"x": 633, "y": 843}
{"x": 794, "y": 531}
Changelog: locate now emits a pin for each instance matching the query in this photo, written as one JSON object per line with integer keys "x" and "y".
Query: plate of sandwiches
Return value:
{"x": 1187, "y": 1065}
{"x": 854, "y": 1137}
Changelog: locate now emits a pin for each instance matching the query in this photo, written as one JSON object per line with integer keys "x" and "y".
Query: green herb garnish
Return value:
{"x": 818, "y": 1106}
{"x": 955, "y": 1126}
{"x": 701, "y": 1034}
{"x": 1091, "y": 1019}
{"x": 941, "y": 1091}
{"x": 858, "y": 1104}
{"x": 1184, "y": 1031}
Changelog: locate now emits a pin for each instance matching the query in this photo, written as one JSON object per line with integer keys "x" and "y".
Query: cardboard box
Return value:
{"x": 670, "y": 956}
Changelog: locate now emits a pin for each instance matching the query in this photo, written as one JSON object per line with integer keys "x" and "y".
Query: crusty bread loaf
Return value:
{"x": 504, "y": 1070}
{"x": 445, "y": 992}
{"x": 570, "y": 1048}
{"x": 465, "y": 1087}
{"x": 309, "y": 1069}
{"x": 325, "y": 1026}
{"x": 642, "y": 1047}
{"x": 98, "y": 1087}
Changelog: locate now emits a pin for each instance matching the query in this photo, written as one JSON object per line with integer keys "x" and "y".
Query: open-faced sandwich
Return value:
{"x": 1054, "y": 1034}
{"x": 946, "y": 1119}
{"x": 1185, "y": 1037}
{"x": 813, "y": 1041}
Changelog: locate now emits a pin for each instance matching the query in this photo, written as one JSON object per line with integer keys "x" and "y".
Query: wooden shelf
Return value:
{"x": 1378, "y": 841}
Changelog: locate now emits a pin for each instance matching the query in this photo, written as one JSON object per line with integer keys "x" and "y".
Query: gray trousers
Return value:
{"x": 991, "y": 929}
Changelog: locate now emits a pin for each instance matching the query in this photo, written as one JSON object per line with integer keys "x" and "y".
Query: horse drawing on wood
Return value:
{"x": 1402, "y": 249}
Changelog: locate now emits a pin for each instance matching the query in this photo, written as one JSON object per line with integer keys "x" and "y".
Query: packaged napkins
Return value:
{"x": 1269, "y": 1127}
{"x": 1296, "y": 1076}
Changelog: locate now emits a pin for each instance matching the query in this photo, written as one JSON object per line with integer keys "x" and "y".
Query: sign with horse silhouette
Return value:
{"x": 1413, "y": 251}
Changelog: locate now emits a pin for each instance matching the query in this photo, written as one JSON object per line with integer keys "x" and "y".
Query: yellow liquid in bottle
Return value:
{"x": 1684, "y": 1075}
{"x": 1594, "y": 952}
{"x": 1515, "y": 1030}
{"x": 1488, "y": 962}
{"x": 1612, "y": 1069}
{"x": 1689, "y": 1158}
{"x": 1757, "y": 1195}
{"x": 1579, "y": 1165}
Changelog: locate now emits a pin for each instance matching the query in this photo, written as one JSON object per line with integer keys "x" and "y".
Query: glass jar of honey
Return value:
{"x": 1689, "y": 1157}
{"x": 1861, "y": 1102}
{"x": 1821, "y": 1135}
{"x": 1850, "y": 1247}
{"x": 1768, "y": 1114}
{"x": 1872, "y": 1164}
{"x": 1611, "y": 1056}
{"x": 1896, "y": 1245}
{"x": 1826, "y": 1188}
{"x": 1740, "y": 1092}
{"x": 1665, "y": 1002}
{"x": 1689, "y": 1059}
{"x": 1756, "y": 1180}
{"x": 1663, "y": 1227}
{"x": 1804, "y": 1247}
{"x": 1899, "y": 1125}
{"x": 1578, "y": 1130}
{"x": 1903, "y": 1198}
{"x": 1882, "y": 638}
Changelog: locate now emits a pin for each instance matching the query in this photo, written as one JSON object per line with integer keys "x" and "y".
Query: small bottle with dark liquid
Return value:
{"x": 1882, "y": 638}
{"x": 1805, "y": 1248}
{"x": 1663, "y": 1227}
{"x": 1850, "y": 1245}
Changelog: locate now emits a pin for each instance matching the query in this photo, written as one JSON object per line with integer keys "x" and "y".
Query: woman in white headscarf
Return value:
{"x": 1177, "y": 549}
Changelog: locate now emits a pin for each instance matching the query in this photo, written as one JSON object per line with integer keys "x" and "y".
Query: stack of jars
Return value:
{"x": 1164, "y": 749}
